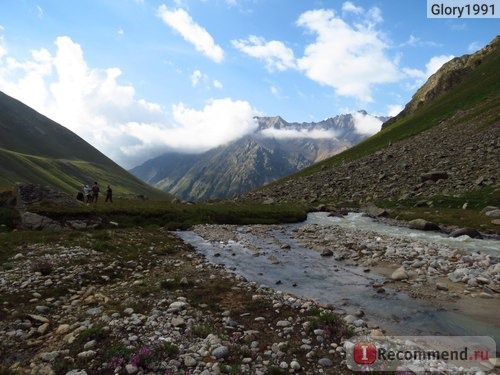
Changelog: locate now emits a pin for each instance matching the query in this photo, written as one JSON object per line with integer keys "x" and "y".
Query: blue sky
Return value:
{"x": 137, "y": 78}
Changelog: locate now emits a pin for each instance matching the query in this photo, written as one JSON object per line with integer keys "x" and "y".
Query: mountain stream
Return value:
{"x": 303, "y": 272}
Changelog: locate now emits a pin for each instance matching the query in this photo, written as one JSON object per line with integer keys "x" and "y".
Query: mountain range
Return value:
{"x": 444, "y": 146}
{"x": 277, "y": 148}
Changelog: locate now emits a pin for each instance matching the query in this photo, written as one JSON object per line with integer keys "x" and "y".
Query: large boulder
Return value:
{"x": 29, "y": 194}
{"x": 30, "y": 220}
{"x": 422, "y": 224}
{"x": 471, "y": 232}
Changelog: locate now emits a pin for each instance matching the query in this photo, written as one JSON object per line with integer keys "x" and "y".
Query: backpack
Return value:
{"x": 95, "y": 189}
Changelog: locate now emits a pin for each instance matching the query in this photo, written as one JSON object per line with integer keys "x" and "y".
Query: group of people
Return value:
{"x": 91, "y": 194}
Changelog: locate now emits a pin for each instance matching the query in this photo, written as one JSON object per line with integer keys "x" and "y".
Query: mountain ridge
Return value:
{"x": 275, "y": 149}
{"x": 36, "y": 149}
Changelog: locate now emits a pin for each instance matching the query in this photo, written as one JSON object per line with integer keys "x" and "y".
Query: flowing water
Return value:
{"x": 303, "y": 272}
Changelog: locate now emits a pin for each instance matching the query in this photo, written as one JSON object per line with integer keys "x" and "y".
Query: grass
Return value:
{"x": 130, "y": 212}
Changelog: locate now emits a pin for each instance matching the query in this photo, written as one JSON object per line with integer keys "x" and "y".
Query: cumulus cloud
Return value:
{"x": 351, "y": 59}
{"x": 219, "y": 122}
{"x": 394, "y": 109}
{"x": 349, "y": 7}
{"x": 274, "y": 53}
{"x": 106, "y": 113}
{"x": 366, "y": 124}
{"x": 431, "y": 67}
{"x": 298, "y": 133}
{"x": 200, "y": 38}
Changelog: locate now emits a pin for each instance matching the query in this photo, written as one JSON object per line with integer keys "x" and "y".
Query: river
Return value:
{"x": 258, "y": 256}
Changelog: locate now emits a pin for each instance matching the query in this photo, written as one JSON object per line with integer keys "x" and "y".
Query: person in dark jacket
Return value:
{"x": 109, "y": 194}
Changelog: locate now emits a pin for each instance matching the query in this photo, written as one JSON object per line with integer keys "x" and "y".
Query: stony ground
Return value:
{"x": 139, "y": 301}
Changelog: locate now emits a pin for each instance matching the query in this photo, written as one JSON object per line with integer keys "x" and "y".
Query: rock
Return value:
{"x": 294, "y": 365}
{"x": 399, "y": 274}
{"x": 433, "y": 176}
{"x": 86, "y": 354}
{"x": 325, "y": 362}
{"x": 38, "y": 318}
{"x": 441, "y": 286}
{"x": 488, "y": 208}
{"x": 178, "y": 322}
{"x": 422, "y": 224}
{"x": 283, "y": 323}
{"x": 494, "y": 213}
{"x": 495, "y": 222}
{"x": 63, "y": 329}
{"x": 189, "y": 361}
{"x": 220, "y": 352}
{"x": 34, "y": 221}
{"x": 42, "y": 330}
{"x": 326, "y": 253}
{"x": 471, "y": 232}
{"x": 131, "y": 369}
{"x": 374, "y": 211}
{"x": 485, "y": 295}
{"x": 177, "y": 306}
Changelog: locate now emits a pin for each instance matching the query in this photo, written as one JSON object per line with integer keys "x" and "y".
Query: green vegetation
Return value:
{"x": 38, "y": 150}
{"x": 202, "y": 330}
{"x": 131, "y": 212}
{"x": 330, "y": 323}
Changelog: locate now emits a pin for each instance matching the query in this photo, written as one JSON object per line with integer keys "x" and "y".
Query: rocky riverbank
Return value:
{"x": 140, "y": 301}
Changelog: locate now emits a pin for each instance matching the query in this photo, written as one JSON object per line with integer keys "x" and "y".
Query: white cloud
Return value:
{"x": 434, "y": 64}
{"x": 275, "y": 54}
{"x": 96, "y": 106}
{"x": 366, "y": 124}
{"x": 394, "y": 109}
{"x": 195, "y": 77}
{"x": 296, "y": 133}
{"x": 349, "y": 7}
{"x": 39, "y": 11}
{"x": 219, "y": 122}
{"x": 181, "y": 21}
{"x": 3, "y": 48}
{"x": 217, "y": 84}
{"x": 348, "y": 58}
{"x": 474, "y": 46}
{"x": 414, "y": 41}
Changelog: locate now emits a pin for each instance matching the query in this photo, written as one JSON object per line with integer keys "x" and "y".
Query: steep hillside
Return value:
{"x": 455, "y": 131}
{"x": 276, "y": 149}
{"x": 35, "y": 149}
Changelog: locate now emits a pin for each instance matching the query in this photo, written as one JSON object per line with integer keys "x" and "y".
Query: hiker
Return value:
{"x": 109, "y": 194}
{"x": 95, "y": 192}
{"x": 87, "y": 193}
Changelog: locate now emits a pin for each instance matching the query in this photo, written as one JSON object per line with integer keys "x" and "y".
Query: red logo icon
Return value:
{"x": 365, "y": 353}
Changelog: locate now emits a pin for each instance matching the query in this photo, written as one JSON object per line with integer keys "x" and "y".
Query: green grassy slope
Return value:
{"x": 35, "y": 149}
{"x": 478, "y": 93}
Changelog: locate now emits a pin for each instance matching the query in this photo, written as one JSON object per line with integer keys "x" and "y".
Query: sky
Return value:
{"x": 138, "y": 78}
